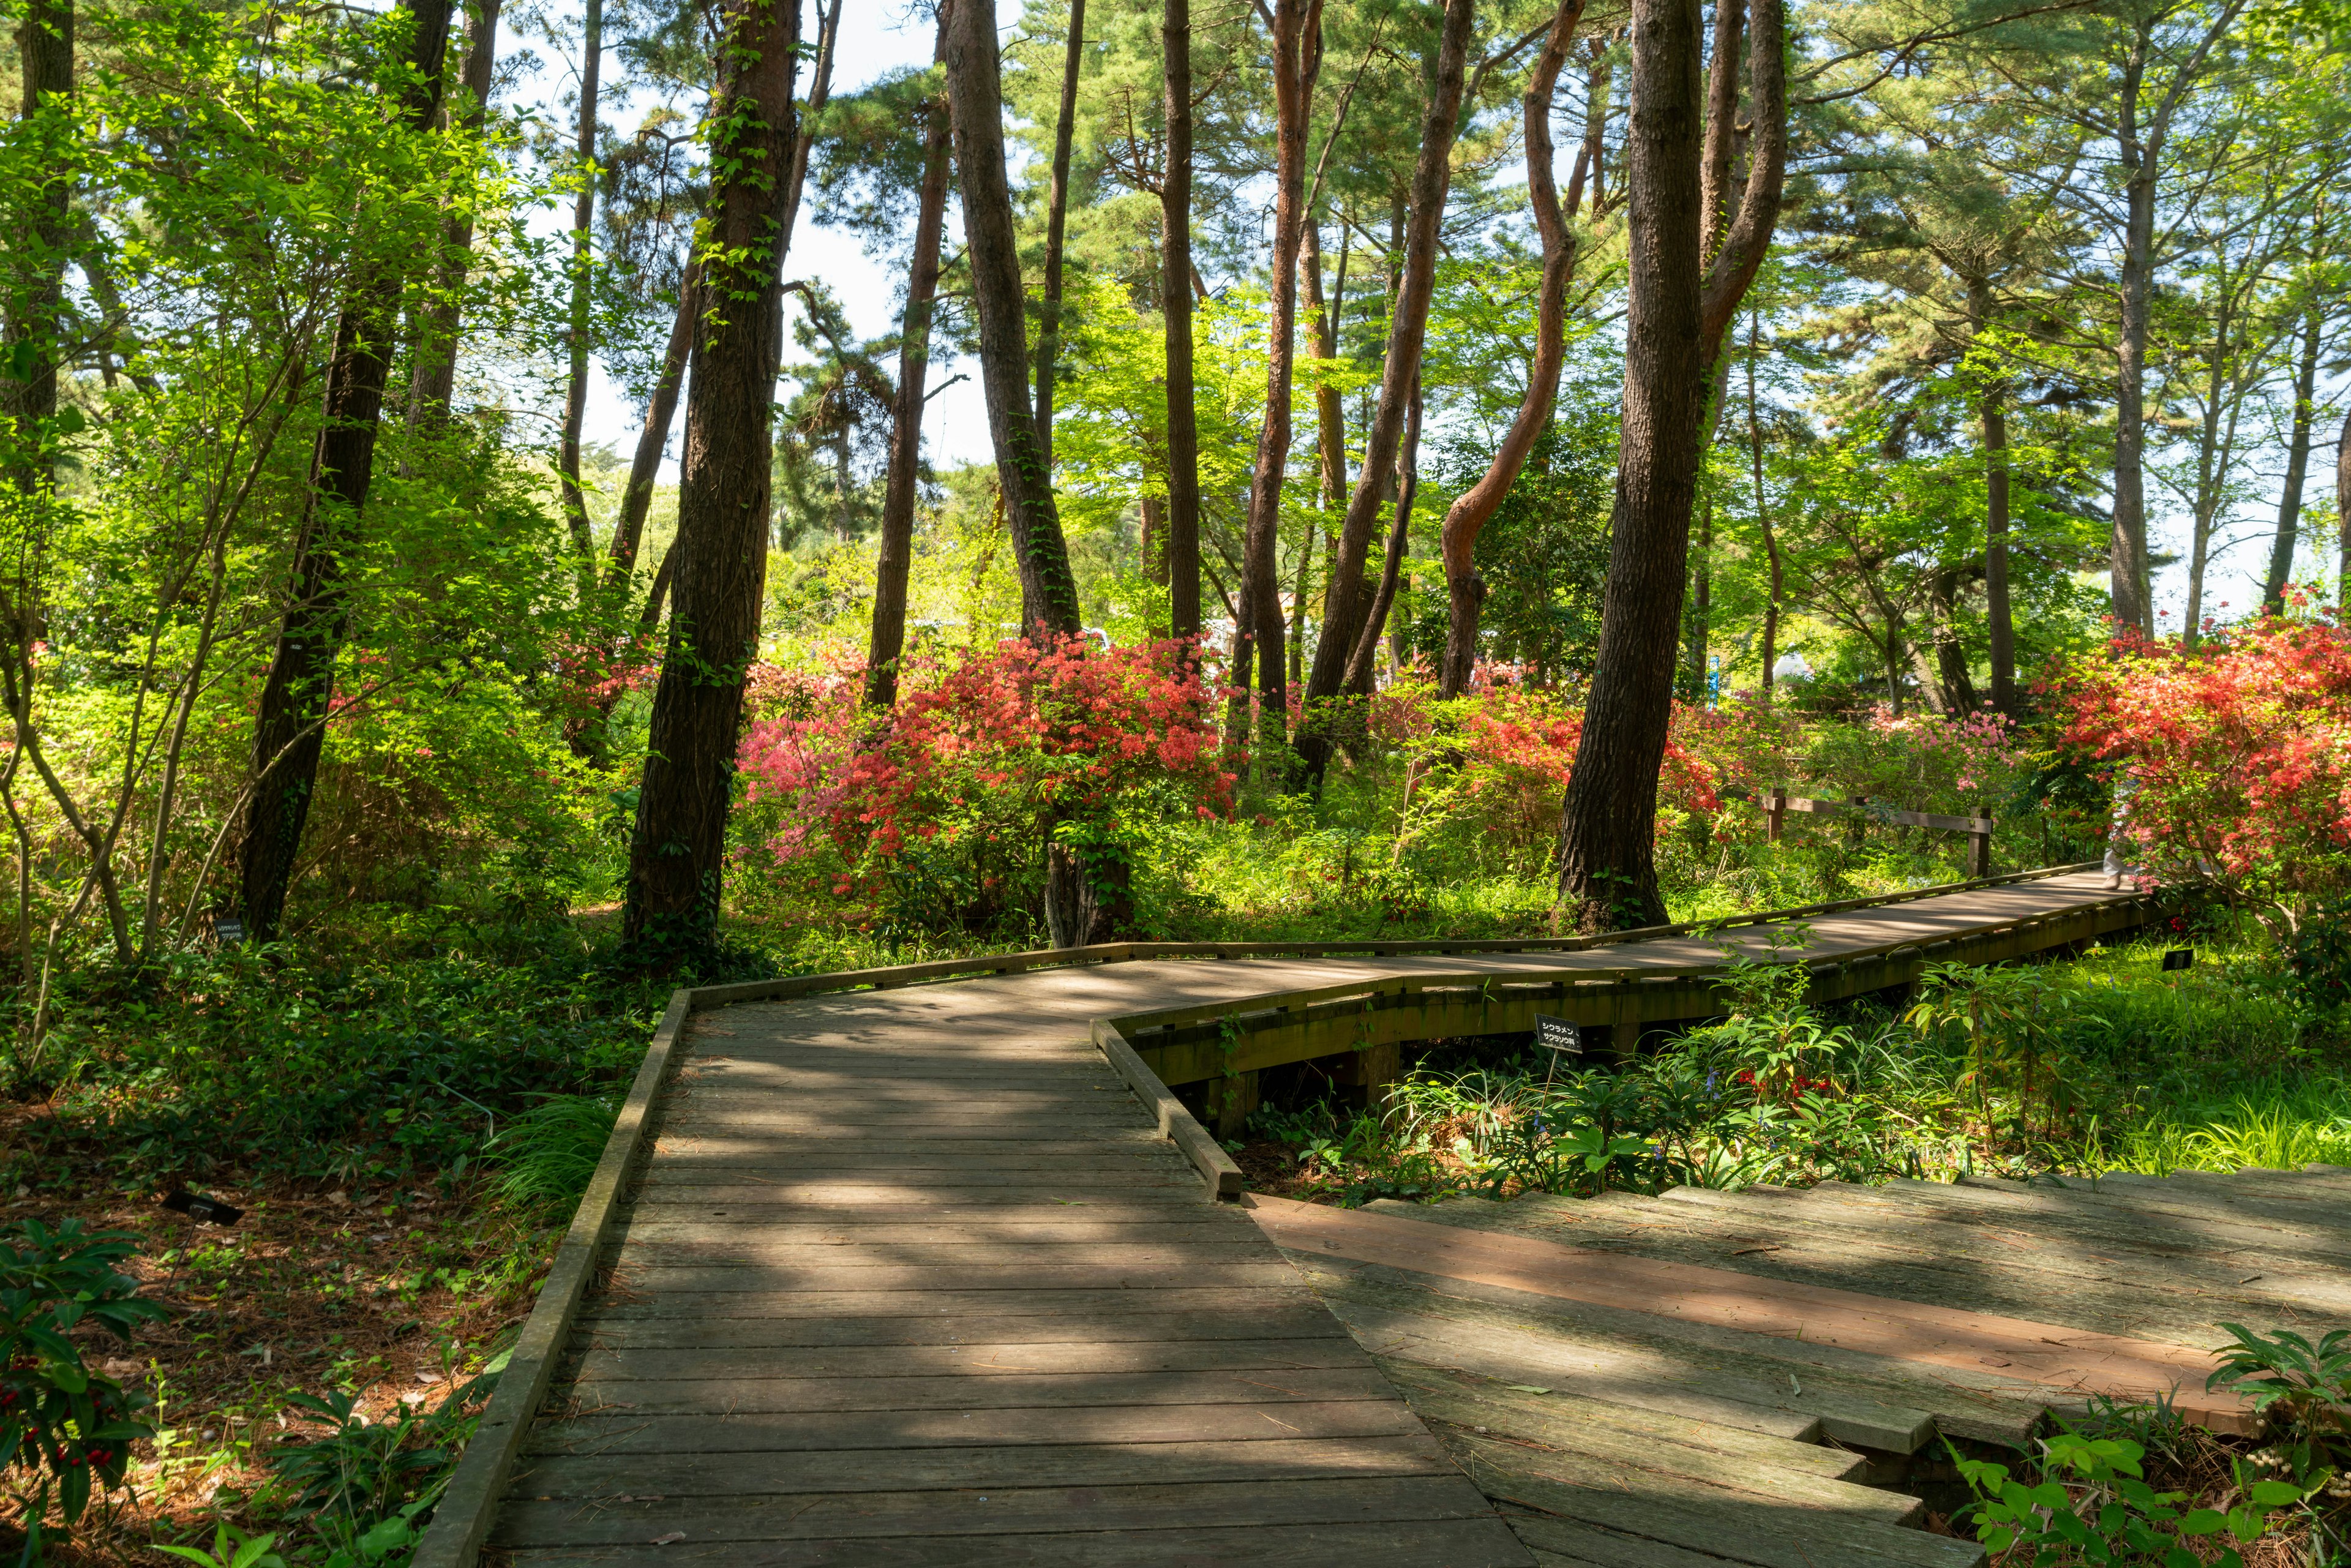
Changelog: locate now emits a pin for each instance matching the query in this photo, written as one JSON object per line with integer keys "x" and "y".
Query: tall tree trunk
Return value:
{"x": 677, "y": 851}
{"x": 1367, "y": 640}
{"x": 652, "y": 441}
{"x": 1175, "y": 312}
{"x": 1297, "y": 58}
{"x": 2343, "y": 517}
{"x": 1762, "y": 511}
{"x": 895, "y": 556}
{"x": 975, "y": 95}
{"x": 583, "y": 217}
{"x": 1330, "y": 415}
{"x": 289, "y": 730}
{"x": 2297, "y": 468}
{"x": 2128, "y": 593}
{"x": 1701, "y": 606}
{"x": 1344, "y": 599}
{"x": 1678, "y": 308}
{"x": 1464, "y": 589}
{"x": 1057, "y": 218}
{"x": 44, "y": 52}
{"x": 432, "y": 380}
{"x": 1991, "y": 409}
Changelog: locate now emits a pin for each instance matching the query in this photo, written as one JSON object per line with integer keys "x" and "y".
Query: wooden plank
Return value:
{"x": 1155, "y": 1246}
{"x": 756, "y": 1432}
{"x": 2142, "y": 1228}
{"x": 728, "y": 1397}
{"x": 1400, "y": 1544}
{"x": 1586, "y": 1545}
{"x": 1284, "y": 1318}
{"x": 815, "y": 1183}
{"x": 1742, "y": 1528}
{"x": 1558, "y": 1419}
{"x": 872, "y": 1516}
{"x": 1714, "y": 1375}
{"x": 1110, "y": 1274}
{"x": 1717, "y": 1230}
{"x": 883, "y": 1306}
{"x": 689, "y": 1474}
{"x": 1069, "y": 1227}
{"x": 2064, "y": 1358}
{"x": 976, "y": 1359}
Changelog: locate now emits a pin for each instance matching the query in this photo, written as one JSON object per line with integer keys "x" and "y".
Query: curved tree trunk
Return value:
{"x": 1464, "y": 591}
{"x": 1297, "y": 51}
{"x": 1678, "y": 309}
{"x": 289, "y": 729}
{"x": 1344, "y": 599}
{"x": 895, "y": 555}
{"x": 1367, "y": 641}
{"x": 1057, "y": 218}
{"x": 976, "y": 104}
{"x": 433, "y": 381}
{"x": 677, "y": 850}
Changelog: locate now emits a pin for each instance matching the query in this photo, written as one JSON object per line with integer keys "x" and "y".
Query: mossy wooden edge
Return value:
{"x": 1176, "y": 1123}
{"x": 462, "y": 1521}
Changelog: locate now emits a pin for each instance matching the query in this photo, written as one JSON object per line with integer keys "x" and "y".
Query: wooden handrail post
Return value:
{"x": 1980, "y": 846}
{"x": 1775, "y": 813}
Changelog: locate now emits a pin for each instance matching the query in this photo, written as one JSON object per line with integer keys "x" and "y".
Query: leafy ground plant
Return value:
{"x": 67, "y": 1426}
{"x": 2091, "y": 1504}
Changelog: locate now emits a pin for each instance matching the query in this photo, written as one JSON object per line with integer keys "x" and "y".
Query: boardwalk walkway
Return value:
{"x": 910, "y": 1279}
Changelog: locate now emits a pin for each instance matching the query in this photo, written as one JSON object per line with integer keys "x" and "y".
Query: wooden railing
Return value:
{"x": 1775, "y": 804}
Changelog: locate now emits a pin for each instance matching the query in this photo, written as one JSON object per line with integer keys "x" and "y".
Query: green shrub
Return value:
{"x": 550, "y": 1151}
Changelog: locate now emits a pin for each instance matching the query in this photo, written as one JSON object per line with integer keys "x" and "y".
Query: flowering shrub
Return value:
{"x": 1510, "y": 748}
{"x": 2238, "y": 751}
{"x": 938, "y": 811}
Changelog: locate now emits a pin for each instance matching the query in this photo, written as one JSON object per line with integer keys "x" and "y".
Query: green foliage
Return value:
{"x": 2303, "y": 1390}
{"x": 550, "y": 1152}
{"x": 59, "y": 1420}
{"x": 2092, "y": 1504}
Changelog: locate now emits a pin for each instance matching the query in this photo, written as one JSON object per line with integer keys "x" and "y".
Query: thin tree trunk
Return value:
{"x": 894, "y": 558}
{"x": 1049, "y": 592}
{"x": 1330, "y": 415}
{"x": 44, "y": 52}
{"x": 1678, "y": 308}
{"x": 2297, "y": 468}
{"x": 1465, "y": 589}
{"x": 1057, "y": 218}
{"x": 1367, "y": 641}
{"x": 1297, "y": 58}
{"x": 1992, "y": 409}
{"x": 652, "y": 441}
{"x": 288, "y": 732}
{"x": 677, "y": 851}
{"x": 432, "y": 382}
{"x": 2343, "y": 516}
{"x": 583, "y": 217}
{"x": 1701, "y": 609}
{"x": 1175, "y": 312}
{"x": 1343, "y": 599}
{"x": 1762, "y": 512}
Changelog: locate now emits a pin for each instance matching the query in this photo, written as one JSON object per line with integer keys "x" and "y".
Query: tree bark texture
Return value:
{"x": 652, "y": 441}
{"x": 576, "y": 334}
{"x": 2297, "y": 469}
{"x": 894, "y": 558}
{"x": 677, "y": 851}
{"x": 1297, "y": 55}
{"x": 975, "y": 95}
{"x": 2343, "y": 517}
{"x": 1175, "y": 312}
{"x": 1464, "y": 589}
{"x": 1330, "y": 415}
{"x": 432, "y": 380}
{"x": 1056, "y": 220}
{"x": 2128, "y": 591}
{"x": 1343, "y": 599}
{"x": 1367, "y": 640}
{"x": 1991, "y": 408}
{"x": 1608, "y": 821}
{"x": 289, "y": 730}
{"x": 44, "y": 52}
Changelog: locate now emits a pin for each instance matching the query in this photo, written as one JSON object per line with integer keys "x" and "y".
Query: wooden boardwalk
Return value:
{"x": 910, "y": 1278}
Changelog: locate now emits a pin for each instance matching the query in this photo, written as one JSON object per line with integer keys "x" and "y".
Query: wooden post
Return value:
{"x": 1233, "y": 1097}
{"x": 1775, "y": 813}
{"x": 1980, "y": 848}
{"x": 1376, "y": 1067}
{"x": 1860, "y": 804}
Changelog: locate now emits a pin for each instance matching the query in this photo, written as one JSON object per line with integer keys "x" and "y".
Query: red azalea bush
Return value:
{"x": 1513, "y": 746}
{"x": 937, "y": 812}
{"x": 2236, "y": 753}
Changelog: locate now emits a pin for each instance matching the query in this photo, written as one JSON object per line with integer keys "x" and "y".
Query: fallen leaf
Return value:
{"x": 671, "y": 1538}
{"x": 1524, "y": 1388}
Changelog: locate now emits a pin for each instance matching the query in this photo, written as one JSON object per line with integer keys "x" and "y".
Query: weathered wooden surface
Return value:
{"x": 911, "y": 1276}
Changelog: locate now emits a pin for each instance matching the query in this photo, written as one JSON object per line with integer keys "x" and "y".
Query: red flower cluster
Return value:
{"x": 998, "y": 741}
{"x": 2238, "y": 750}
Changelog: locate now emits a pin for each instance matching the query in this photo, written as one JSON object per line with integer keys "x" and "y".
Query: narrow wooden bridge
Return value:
{"x": 903, "y": 1268}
